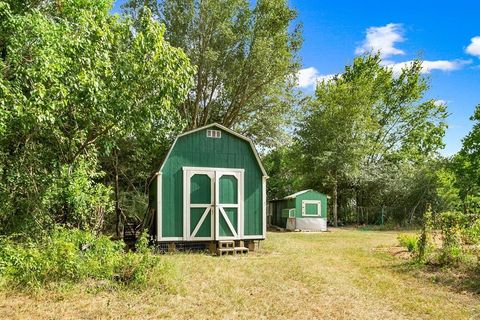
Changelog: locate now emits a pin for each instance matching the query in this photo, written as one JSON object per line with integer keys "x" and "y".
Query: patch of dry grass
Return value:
{"x": 334, "y": 275}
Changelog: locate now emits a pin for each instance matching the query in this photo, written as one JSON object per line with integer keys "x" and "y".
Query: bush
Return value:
{"x": 409, "y": 241}
{"x": 451, "y": 226}
{"x": 472, "y": 232}
{"x": 75, "y": 198}
{"x": 72, "y": 256}
{"x": 424, "y": 243}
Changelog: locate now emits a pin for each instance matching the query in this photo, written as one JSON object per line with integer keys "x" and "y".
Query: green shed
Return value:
{"x": 305, "y": 210}
{"x": 210, "y": 187}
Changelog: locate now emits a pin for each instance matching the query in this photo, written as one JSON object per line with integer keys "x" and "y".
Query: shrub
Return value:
{"x": 409, "y": 241}
{"x": 451, "y": 227}
{"x": 472, "y": 232}
{"x": 72, "y": 256}
{"x": 134, "y": 267}
{"x": 76, "y": 198}
{"x": 424, "y": 243}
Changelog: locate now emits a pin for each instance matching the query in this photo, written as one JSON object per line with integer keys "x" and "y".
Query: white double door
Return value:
{"x": 213, "y": 203}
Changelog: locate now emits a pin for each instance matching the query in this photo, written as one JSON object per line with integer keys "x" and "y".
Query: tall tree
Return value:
{"x": 466, "y": 165}
{"x": 246, "y": 61}
{"x": 364, "y": 118}
{"x": 74, "y": 82}
{"x": 285, "y": 176}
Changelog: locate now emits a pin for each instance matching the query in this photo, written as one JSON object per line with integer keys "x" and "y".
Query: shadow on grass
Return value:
{"x": 459, "y": 278}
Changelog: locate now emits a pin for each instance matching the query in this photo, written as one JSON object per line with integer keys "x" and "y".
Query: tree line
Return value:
{"x": 90, "y": 101}
{"x": 370, "y": 138}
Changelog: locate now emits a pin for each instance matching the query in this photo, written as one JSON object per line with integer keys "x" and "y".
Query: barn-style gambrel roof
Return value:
{"x": 219, "y": 126}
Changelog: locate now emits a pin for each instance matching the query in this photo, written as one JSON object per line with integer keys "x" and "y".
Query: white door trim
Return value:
{"x": 229, "y": 223}
{"x": 187, "y": 175}
{"x": 219, "y": 208}
{"x": 214, "y": 208}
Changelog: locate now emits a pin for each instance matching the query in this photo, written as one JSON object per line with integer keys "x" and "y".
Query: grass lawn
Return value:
{"x": 334, "y": 275}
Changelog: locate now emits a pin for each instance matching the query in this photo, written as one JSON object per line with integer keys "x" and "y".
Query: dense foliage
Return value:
{"x": 90, "y": 101}
{"x": 450, "y": 227}
{"x": 368, "y": 138}
{"x": 69, "y": 256}
{"x": 82, "y": 97}
{"x": 245, "y": 57}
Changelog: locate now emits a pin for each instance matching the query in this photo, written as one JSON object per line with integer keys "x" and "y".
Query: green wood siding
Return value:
{"x": 311, "y": 195}
{"x": 200, "y": 189}
{"x": 195, "y": 216}
{"x": 311, "y": 209}
{"x": 278, "y": 206}
{"x": 228, "y": 190}
{"x": 196, "y": 150}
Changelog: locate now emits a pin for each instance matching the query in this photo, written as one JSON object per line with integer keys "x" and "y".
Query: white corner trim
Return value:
{"x": 264, "y": 205}
{"x": 159, "y": 206}
{"x": 319, "y": 208}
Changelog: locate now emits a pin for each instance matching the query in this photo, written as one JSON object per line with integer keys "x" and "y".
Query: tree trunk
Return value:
{"x": 335, "y": 204}
{"x": 118, "y": 210}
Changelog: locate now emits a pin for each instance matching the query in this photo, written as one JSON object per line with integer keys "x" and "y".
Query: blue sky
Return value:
{"x": 335, "y": 31}
{"x": 441, "y": 34}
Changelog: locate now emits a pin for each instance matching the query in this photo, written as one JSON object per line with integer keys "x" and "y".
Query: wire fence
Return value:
{"x": 377, "y": 215}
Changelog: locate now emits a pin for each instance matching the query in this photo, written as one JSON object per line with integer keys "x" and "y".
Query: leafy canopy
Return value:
{"x": 245, "y": 57}
{"x": 365, "y": 127}
{"x": 74, "y": 80}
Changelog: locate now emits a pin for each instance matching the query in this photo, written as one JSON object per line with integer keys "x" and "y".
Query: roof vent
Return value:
{"x": 214, "y": 134}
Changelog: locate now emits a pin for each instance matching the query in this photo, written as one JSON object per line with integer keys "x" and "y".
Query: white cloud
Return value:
{"x": 308, "y": 77}
{"x": 474, "y": 47}
{"x": 443, "y": 65}
{"x": 325, "y": 77}
{"x": 382, "y": 39}
{"x": 440, "y": 102}
{"x": 428, "y": 66}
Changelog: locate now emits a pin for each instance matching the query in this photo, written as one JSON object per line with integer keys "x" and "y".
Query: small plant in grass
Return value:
{"x": 409, "y": 241}
{"x": 472, "y": 232}
{"x": 451, "y": 228}
{"x": 424, "y": 243}
{"x": 134, "y": 267}
{"x": 72, "y": 256}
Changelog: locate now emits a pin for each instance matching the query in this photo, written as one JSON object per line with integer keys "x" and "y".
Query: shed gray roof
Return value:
{"x": 293, "y": 196}
{"x": 296, "y": 194}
